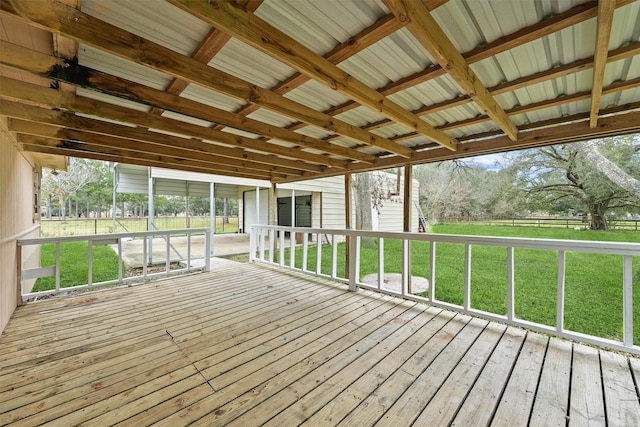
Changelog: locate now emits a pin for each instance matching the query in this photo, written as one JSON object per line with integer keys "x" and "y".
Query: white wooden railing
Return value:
{"x": 157, "y": 237}
{"x": 267, "y": 241}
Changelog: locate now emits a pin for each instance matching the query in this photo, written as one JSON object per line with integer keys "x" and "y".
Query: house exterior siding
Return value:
{"x": 17, "y": 220}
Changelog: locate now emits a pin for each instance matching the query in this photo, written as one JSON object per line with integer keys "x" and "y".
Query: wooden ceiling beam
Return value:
{"x": 382, "y": 28}
{"x": 42, "y": 145}
{"x": 96, "y": 146}
{"x": 546, "y": 75}
{"x": 573, "y": 16}
{"x": 10, "y": 88}
{"x": 250, "y": 29}
{"x": 208, "y": 48}
{"x": 579, "y": 96}
{"x": 605, "y": 21}
{"x": 112, "y": 85}
{"x": 427, "y": 31}
{"x": 564, "y": 133}
{"x": 196, "y": 149}
{"x": 84, "y": 28}
{"x": 148, "y": 150}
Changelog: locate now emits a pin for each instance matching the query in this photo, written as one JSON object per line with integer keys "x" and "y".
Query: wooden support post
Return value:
{"x": 19, "y": 275}
{"x": 273, "y": 205}
{"x": 408, "y": 181}
{"x": 347, "y": 220}
{"x": 273, "y": 220}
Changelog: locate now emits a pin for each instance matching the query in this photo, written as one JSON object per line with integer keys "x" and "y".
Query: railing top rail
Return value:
{"x": 617, "y": 248}
{"x": 109, "y": 237}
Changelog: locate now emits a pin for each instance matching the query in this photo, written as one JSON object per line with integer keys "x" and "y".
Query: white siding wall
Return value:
{"x": 132, "y": 179}
{"x": 390, "y": 217}
{"x": 16, "y": 218}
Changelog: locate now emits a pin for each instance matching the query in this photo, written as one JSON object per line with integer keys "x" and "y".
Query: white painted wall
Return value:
{"x": 17, "y": 220}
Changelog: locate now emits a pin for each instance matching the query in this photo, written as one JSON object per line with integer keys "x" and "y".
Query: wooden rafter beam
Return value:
{"x": 382, "y": 28}
{"x": 145, "y": 149}
{"x": 195, "y": 149}
{"x": 573, "y": 16}
{"x": 16, "y": 89}
{"x": 542, "y": 76}
{"x": 208, "y": 48}
{"x": 427, "y": 31}
{"x": 52, "y": 146}
{"x": 102, "y": 146}
{"x": 563, "y": 133}
{"x": 605, "y": 21}
{"x": 579, "y": 96}
{"x": 84, "y": 28}
{"x": 247, "y": 27}
{"x": 157, "y": 98}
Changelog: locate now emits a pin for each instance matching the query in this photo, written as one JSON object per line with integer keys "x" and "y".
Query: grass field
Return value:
{"x": 593, "y": 285}
{"x": 74, "y": 265}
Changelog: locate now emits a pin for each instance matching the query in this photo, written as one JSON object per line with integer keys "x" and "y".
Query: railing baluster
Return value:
{"x": 319, "y": 254}
{"x": 119, "y": 258}
{"x": 334, "y": 257}
{"x": 292, "y": 249}
{"x": 406, "y": 267}
{"x": 144, "y": 257}
{"x": 90, "y": 262}
{"x": 510, "y": 283}
{"x": 262, "y": 239}
{"x": 380, "y": 262}
{"x": 627, "y": 300}
{"x": 272, "y": 245}
{"x": 281, "y": 244}
{"x": 305, "y": 250}
{"x": 560, "y": 300}
{"x": 353, "y": 266}
{"x": 208, "y": 249}
{"x": 467, "y": 277}
{"x": 167, "y": 261}
{"x": 432, "y": 271}
{"x": 252, "y": 244}
{"x": 57, "y": 266}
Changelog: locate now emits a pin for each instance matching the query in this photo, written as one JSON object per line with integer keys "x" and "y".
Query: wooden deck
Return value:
{"x": 248, "y": 345}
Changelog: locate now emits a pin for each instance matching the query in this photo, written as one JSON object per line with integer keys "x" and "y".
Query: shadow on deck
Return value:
{"x": 250, "y": 345}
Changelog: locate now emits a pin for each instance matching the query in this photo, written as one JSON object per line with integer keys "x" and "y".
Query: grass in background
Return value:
{"x": 593, "y": 282}
{"x": 74, "y": 268}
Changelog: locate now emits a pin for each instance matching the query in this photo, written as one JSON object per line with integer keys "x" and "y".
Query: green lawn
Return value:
{"x": 593, "y": 284}
{"x": 74, "y": 268}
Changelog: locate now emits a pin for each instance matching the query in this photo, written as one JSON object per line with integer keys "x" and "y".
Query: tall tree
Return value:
{"x": 560, "y": 173}
{"x": 615, "y": 173}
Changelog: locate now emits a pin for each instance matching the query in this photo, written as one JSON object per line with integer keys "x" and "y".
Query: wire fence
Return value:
{"x": 57, "y": 227}
{"x": 550, "y": 222}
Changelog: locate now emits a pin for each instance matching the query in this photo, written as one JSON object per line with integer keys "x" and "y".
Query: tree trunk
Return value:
{"x": 99, "y": 206}
{"x": 597, "y": 214}
{"x": 362, "y": 192}
{"x": 225, "y": 212}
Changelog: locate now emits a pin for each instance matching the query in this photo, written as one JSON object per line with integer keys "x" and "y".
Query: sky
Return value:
{"x": 488, "y": 161}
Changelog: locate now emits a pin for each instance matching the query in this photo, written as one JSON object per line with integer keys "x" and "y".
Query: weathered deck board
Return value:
{"x": 251, "y": 345}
